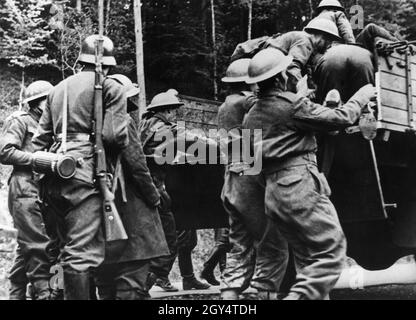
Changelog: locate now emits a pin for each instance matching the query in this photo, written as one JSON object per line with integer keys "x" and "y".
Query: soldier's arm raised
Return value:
{"x": 11, "y": 142}
{"x": 43, "y": 138}
{"x": 312, "y": 116}
{"x": 115, "y": 132}
{"x": 344, "y": 27}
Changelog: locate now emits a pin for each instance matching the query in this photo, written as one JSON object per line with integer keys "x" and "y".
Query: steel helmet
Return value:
{"x": 132, "y": 90}
{"x": 36, "y": 90}
{"x": 267, "y": 64}
{"x": 323, "y": 26}
{"x": 168, "y": 99}
{"x": 330, "y": 4}
{"x": 87, "y": 54}
{"x": 237, "y": 71}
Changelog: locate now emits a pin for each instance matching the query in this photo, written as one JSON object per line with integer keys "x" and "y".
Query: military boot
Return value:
{"x": 192, "y": 283}
{"x": 41, "y": 290}
{"x": 229, "y": 294}
{"x": 165, "y": 284}
{"x": 77, "y": 285}
{"x": 208, "y": 275}
{"x": 17, "y": 291}
{"x": 267, "y": 295}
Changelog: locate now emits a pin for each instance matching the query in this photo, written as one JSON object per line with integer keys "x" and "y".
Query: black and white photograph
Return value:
{"x": 207, "y": 156}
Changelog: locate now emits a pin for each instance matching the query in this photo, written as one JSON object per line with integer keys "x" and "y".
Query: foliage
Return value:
{"x": 24, "y": 33}
{"x": 178, "y": 46}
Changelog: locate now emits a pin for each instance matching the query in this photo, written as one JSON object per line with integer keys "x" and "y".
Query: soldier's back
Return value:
{"x": 232, "y": 111}
{"x": 80, "y": 90}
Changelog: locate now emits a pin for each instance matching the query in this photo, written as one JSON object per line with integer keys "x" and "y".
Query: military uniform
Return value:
{"x": 77, "y": 203}
{"x": 149, "y": 126}
{"x": 298, "y": 44}
{"x": 297, "y": 194}
{"x": 342, "y": 22}
{"x": 370, "y": 33}
{"x": 32, "y": 261}
{"x": 124, "y": 272}
{"x": 256, "y": 256}
{"x": 180, "y": 242}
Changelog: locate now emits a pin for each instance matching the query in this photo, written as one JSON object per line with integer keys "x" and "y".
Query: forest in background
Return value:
{"x": 181, "y": 47}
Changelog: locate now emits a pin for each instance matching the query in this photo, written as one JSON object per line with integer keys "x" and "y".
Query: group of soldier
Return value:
{"x": 59, "y": 221}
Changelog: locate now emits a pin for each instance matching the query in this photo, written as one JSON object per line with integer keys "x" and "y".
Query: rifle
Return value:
{"x": 114, "y": 229}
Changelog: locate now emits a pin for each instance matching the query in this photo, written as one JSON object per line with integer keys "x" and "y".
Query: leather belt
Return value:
{"x": 84, "y": 137}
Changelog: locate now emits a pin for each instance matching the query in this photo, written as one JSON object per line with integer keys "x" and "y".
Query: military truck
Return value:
{"x": 372, "y": 181}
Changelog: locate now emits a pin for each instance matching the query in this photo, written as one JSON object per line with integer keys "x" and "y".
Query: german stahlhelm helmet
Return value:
{"x": 37, "y": 90}
{"x": 266, "y": 64}
{"x": 237, "y": 71}
{"x": 165, "y": 100}
{"x": 325, "y": 26}
{"x": 132, "y": 91}
{"x": 87, "y": 54}
{"x": 330, "y": 4}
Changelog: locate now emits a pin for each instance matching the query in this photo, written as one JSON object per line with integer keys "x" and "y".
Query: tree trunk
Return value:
{"x": 139, "y": 55}
{"x": 79, "y": 5}
{"x": 214, "y": 47}
{"x": 107, "y": 19}
{"x": 311, "y": 9}
{"x": 250, "y": 19}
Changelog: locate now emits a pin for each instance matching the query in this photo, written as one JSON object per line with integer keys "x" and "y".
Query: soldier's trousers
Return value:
{"x": 372, "y": 31}
{"x": 187, "y": 241}
{"x": 297, "y": 198}
{"x": 78, "y": 212}
{"x": 32, "y": 262}
{"x": 259, "y": 254}
{"x": 162, "y": 266}
{"x": 123, "y": 281}
{"x": 218, "y": 254}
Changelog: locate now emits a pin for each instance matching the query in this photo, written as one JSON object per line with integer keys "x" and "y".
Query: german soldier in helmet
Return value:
{"x": 297, "y": 194}
{"x": 158, "y": 121}
{"x": 124, "y": 273}
{"x": 303, "y": 46}
{"x": 334, "y": 11}
{"x": 77, "y": 202}
{"x": 32, "y": 262}
{"x": 249, "y": 261}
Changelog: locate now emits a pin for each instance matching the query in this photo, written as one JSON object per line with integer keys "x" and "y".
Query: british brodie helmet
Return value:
{"x": 237, "y": 71}
{"x": 132, "y": 91}
{"x": 330, "y": 4}
{"x": 87, "y": 54}
{"x": 165, "y": 100}
{"x": 37, "y": 90}
{"x": 266, "y": 64}
{"x": 325, "y": 26}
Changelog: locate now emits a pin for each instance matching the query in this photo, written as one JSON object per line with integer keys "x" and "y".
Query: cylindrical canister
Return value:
{"x": 63, "y": 166}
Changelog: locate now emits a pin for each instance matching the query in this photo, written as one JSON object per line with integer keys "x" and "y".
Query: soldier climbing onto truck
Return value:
{"x": 297, "y": 194}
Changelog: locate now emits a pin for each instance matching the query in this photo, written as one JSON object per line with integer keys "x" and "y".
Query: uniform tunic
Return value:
{"x": 342, "y": 23}
{"x": 32, "y": 262}
{"x": 149, "y": 126}
{"x": 254, "y": 258}
{"x": 298, "y": 44}
{"x": 77, "y": 202}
